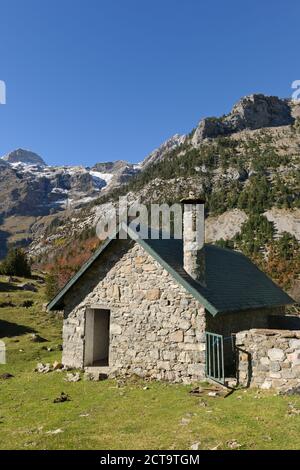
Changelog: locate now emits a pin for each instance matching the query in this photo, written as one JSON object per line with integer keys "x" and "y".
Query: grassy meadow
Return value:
{"x": 114, "y": 414}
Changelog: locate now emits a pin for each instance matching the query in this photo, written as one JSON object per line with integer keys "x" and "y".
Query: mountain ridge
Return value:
{"x": 208, "y": 160}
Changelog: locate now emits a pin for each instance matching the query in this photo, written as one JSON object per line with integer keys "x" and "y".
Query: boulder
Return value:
{"x": 43, "y": 368}
{"x": 72, "y": 377}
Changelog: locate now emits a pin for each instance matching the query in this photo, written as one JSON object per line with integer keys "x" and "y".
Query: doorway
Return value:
{"x": 97, "y": 337}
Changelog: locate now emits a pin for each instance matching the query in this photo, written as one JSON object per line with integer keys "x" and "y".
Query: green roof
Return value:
{"x": 233, "y": 282}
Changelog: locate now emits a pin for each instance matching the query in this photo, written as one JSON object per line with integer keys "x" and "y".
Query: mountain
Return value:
{"x": 29, "y": 187}
{"x": 23, "y": 156}
{"x": 246, "y": 163}
{"x": 33, "y": 193}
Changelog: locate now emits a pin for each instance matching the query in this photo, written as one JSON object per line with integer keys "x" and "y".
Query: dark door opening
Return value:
{"x": 97, "y": 337}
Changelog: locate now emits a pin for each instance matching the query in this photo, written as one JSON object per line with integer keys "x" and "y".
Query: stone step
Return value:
{"x": 97, "y": 372}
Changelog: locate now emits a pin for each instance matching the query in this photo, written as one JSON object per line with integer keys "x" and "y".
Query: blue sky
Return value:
{"x": 101, "y": 80}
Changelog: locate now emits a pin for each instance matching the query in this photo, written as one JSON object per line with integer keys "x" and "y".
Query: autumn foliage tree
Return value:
{"x": 277, "y": 255}
{"x": 283, "y": 260}
{"x": 67, "y": 262}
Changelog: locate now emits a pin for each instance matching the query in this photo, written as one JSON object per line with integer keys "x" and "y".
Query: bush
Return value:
{"x": 16, "y": 264}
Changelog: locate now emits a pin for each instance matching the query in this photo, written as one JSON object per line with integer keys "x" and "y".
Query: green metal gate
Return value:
{"x": 220, "y": 357}
{"x": 215, "y": 357}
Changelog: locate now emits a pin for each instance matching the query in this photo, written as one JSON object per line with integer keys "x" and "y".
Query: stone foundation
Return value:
{"x": 268, "y": 358}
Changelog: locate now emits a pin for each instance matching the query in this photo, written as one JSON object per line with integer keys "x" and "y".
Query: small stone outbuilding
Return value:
{"x": 164, "y": 309}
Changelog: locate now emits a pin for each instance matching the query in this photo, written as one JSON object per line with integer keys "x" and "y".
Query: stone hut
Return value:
{"x": 166, "y": 309}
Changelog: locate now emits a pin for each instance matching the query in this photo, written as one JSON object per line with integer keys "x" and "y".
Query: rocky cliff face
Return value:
{"x": 158, "y": 154}
{"x": 251, "y": 112}
{"x": 120, "y": 171}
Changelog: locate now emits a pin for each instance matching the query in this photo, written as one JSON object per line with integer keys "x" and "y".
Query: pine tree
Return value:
{"x": 16, "y": 264}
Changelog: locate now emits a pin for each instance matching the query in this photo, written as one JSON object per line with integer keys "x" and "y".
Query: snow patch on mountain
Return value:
{"x": 99, "y": 178}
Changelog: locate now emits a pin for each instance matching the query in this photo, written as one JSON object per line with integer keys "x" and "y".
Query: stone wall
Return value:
{"x": 232, "y": 323}
{"x": 156, "y": 329}
{"x": 268, "y": 358}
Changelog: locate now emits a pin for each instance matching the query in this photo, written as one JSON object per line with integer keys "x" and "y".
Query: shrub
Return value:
{"x": 16, "y": 264}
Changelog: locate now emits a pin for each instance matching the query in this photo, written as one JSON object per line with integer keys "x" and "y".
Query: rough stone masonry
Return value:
{"x": 157, "y": 328}
{"x": 269, "y": 358}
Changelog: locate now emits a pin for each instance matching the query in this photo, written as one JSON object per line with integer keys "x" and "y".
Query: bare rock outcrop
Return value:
{"x": 285, "y": 220}
{"x": 251, "y": 112}
{"x": 224, "y": 226}
{"x": 158, "y": 154}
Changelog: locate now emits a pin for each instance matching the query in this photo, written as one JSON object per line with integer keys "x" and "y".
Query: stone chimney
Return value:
{"x": 194, "y": 238}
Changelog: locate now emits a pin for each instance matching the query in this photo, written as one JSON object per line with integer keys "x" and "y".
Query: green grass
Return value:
{"x": 112, "y": 415}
